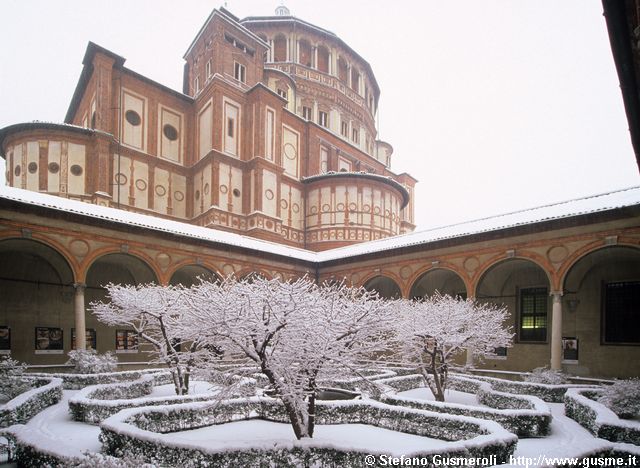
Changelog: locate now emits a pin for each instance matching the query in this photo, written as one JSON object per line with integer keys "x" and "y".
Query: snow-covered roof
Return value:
{"x": 152, "y": 222}
{"x": 580, "y": 206}
{"x": 593, "y": 204}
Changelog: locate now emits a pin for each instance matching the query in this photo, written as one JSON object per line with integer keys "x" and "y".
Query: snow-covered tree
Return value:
{"x": 544, "y": 375}
{"x": 433, "y": 331}
{"x": 155, "y": 313}
{"x": 296, "y": 333}
{"x": 623, "y": 398}
{"x": 88, "y": 361}
{"x": 12, "y": 381}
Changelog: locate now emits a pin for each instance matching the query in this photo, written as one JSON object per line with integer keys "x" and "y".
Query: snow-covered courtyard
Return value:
{"x": 263, "y": 373}
{"x": 53, "y": 432}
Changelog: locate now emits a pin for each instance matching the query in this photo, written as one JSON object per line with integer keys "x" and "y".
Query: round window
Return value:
{"x": 170, "y": 132}
{"x": 54, "y": 167}
{"x": 32, "y": 167}
{"x": 132, "y": 117}
{"x": 236, "y": 192}
{"x": 76, "y": 170}
{"x": 17, "y": 171}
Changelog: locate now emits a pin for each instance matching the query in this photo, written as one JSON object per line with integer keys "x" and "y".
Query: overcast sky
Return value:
{"x": 494, "y": 106}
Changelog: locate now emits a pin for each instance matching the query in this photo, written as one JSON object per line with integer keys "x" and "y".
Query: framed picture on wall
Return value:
{"x": 90, "y": 337}
{"x": 49, "y": 340}
{"x": 569, "y": 349}
{"x": 5, "y": 340}
{"x": 126, "y": 341}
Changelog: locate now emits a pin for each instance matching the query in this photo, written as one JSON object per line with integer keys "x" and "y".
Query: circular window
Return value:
{"x": 161, "y": 191}
{"x": 54, "y": 167}
{"x": 206, "y": 189}
{"x": 17, "y": 171}
{"x": 141, "y": 184}
{"x": 290, "y": 151}
{"x": 223, "y": 189}
{"x": 268, "y": 194}
{"x": 295, "y": 207}
{"x": 32, "y": 167}
{"x": 133, "y": 117}
{"x": 236, "y": 192}
{"x": 120, "y": 178}
{"x": 170, "y": 132}
{"x": 76, "y": 170}
{"x": 178, "y": 195}
{"x": 283, "y": 204}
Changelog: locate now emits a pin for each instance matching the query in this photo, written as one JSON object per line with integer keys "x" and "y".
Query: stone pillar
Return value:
{"x": 556, "y": 331}
{"x": 78, "y": 307}
{"x": 469, "y": 362}
{"x": 315, "y": 58}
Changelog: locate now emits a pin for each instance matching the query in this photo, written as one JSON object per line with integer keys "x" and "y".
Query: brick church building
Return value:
{"x": 267, "y": 161}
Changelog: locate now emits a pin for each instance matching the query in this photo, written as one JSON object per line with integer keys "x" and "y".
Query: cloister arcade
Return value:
{"x": 572, "y": 296}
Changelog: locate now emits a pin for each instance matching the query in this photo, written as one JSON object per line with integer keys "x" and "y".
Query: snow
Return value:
{"x": 596, "y": 203}
{"x": 53, "y": 431}
{"x": 243, "y": 434}
{"x": 450, "y": 396}
{"x": 196, "y": 387}
{"x": 567, "y": 439}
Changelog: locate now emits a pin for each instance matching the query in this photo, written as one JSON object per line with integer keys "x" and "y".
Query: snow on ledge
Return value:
{"x": 597, "y": 203}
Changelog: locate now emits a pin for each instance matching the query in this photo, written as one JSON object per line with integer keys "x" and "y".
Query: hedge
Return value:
{"x": 79, "y": 381}
{"x": 142, "y": 433}
{"x": 523, "y": 415}
{"x": 598, "y": 419}
{"x": 47, "y": 392}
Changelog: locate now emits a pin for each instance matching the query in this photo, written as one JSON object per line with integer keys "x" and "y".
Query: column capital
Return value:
{"x": 79, "y": 286}
{"x": 556, "y": 294}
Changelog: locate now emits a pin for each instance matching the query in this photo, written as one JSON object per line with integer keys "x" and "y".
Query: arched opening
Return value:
{"x": 523, "y": 287}
{"x": 305, "y": 54}
{"x": 323, "y": 59}
{"x": 343, "y": 70}
{"x": 355, "y": 80}
{"x": 189, "y": 275}
{"x": 384, "y": 286}
{"x": 438, "y": 280}
{"x": 280, "y": 48}
{"x": 36, "y": 301}
{"x": 600, "y": 305}
{"x": 116, "y": 268}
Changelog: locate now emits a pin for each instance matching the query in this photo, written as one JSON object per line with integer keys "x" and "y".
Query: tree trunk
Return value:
{"x": 311, "y": 408}
{"x": 435, "y": 374}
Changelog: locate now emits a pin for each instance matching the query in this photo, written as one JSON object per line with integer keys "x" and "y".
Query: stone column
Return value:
{"x": 78, "y": 307}
{"x": 556, "y": 331}
{"x": 469, "y": 362}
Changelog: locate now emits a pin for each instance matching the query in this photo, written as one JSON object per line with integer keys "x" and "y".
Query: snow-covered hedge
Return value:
{"x": 523, "y": 415}
{"x": 79, "y": 381}
{"x": 23, "y": 407}
{"x": 547, "y": 392}
{"x": 30, "y": 450}
{"x": 580, "y": 405}
{"x": 96, "y": 403}
{"x": 145, "y": 432}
